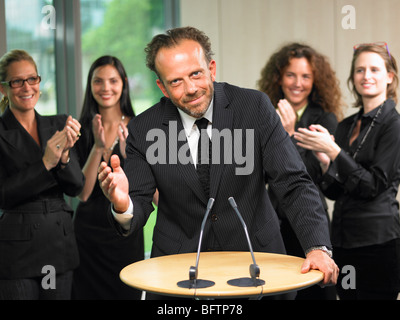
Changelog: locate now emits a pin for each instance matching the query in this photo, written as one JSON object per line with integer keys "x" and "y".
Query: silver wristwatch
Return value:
{"x": 322, "y": 248}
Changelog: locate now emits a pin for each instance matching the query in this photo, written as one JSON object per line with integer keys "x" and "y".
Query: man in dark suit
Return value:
{"x": 186, "y": 76}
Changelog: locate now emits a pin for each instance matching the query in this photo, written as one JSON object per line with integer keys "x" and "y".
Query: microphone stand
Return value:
{"x": 254, "y": 268}
{"x": 193, "y": 282}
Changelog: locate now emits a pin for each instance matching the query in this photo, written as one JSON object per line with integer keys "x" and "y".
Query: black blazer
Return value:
{"x": 182, "y": 201}
{"x": 314, "y": 114}
{"x": 35, "y": 221}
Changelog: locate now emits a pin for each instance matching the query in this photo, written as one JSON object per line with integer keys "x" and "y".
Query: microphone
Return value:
{"x": 254, "y": 268}
{"x": 193, "y": 282}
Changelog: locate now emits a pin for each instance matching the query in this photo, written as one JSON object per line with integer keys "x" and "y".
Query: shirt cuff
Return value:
{"x": 124, "y": 219}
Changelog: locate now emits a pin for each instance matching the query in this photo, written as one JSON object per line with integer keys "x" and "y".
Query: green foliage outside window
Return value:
{"x": 122, "y": 28}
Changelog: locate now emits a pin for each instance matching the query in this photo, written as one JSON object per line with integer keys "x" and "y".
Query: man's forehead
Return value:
{"x": 176, "y": 56}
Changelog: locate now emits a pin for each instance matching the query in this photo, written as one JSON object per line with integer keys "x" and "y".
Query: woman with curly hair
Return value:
{"x": 303, "y": 87}
{"x": 321, "y": 89}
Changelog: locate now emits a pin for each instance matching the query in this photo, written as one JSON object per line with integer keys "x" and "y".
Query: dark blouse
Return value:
{"x": 364, "y": 189}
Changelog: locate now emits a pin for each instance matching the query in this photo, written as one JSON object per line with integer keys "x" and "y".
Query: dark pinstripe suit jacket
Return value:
{"x": 182, "y": 202}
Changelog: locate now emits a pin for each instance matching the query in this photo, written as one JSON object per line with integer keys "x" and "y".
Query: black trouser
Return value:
{"x": 32, "y": 289}
{"x": 376, "y": 270}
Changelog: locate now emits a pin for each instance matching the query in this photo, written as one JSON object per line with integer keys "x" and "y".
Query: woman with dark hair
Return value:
{"x": 302, "y": 85}
{"x": 361, "y": 172}
{"x": 106, "y": 111}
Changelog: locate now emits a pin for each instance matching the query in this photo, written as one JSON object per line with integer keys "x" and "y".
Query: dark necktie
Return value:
{"x": 204, "y": 156}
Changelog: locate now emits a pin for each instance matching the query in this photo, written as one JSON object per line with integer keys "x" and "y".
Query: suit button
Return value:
{"x": 214, "y": 218}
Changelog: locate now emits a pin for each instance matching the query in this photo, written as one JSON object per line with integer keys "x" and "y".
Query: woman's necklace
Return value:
{"x": 368, "y": 131}
{"x": 110, "y": 150}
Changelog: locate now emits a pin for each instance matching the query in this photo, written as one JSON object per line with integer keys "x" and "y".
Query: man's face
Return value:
{"x": 186, "y": 77}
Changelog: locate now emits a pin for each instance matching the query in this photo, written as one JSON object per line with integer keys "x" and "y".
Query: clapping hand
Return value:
{"x": 58, "y": 146}
{"x": 287, "y": 115}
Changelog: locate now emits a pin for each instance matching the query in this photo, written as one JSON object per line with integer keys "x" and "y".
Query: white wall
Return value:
{"x": 244, "y": 33}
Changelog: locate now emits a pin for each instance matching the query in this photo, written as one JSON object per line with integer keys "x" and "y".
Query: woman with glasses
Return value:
{"x": 302, "y": 85}
{"x": 37, "y": 168}
{"x": 361, "y": 167}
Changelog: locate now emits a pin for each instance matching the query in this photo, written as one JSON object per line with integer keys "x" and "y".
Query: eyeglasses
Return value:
{"x": 19, "y": 83}
{"x": 379, "y": 44}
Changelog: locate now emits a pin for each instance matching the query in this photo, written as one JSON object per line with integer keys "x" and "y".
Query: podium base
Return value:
{"x": 200, "y": 284}
{"x": 246, "y": 282}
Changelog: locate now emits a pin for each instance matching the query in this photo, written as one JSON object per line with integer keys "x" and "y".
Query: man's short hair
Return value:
{"x": 172, "y": 38}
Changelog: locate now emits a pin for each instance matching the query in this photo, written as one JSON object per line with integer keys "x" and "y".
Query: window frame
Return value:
{"x": 68, "y": 53}
{"x": 3, "y": 33}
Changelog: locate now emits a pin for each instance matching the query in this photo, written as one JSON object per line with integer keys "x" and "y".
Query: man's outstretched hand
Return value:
{"x": 114, "y": 184}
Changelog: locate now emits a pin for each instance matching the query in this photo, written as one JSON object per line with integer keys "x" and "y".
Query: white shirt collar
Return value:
{"x": 188, "y": 121}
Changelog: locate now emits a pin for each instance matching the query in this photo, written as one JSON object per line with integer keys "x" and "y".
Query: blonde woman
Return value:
{"x": 38, "y": 167}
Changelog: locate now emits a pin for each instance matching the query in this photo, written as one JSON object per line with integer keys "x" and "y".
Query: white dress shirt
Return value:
{"x": 192, "y": 135}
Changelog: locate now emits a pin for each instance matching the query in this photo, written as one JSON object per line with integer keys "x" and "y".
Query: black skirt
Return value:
{"x": 377, "y": 267}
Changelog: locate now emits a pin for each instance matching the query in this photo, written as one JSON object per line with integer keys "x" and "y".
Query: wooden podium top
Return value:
{"x": 281, "y": 274}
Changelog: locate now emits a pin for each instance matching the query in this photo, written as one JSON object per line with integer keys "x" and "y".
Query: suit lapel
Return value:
{"x": 18, "y": 137}
{"x": 187, "y": 171}
{"x": 45, "y": 130}
{"x": 222, "y": 119}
